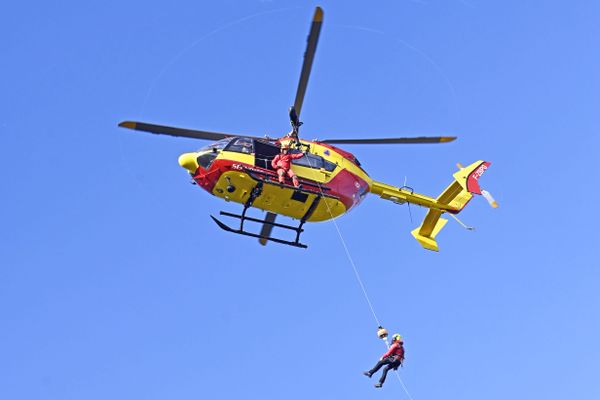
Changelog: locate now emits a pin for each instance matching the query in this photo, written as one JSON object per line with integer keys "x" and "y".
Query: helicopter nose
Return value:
{"x": 188, "y": 161}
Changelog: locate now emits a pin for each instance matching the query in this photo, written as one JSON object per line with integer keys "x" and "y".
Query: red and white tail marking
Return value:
{"x": 473, "y": 178}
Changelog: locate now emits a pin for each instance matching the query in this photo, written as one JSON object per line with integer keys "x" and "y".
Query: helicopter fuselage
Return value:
{"x": 231, "y": 168}
{"x": 238, "y": 168}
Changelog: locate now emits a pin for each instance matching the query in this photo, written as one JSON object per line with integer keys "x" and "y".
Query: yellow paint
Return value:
{"x": 428, "y": 241}
{"x": 318, "y": 17}
{"x": 189, "y": 162}
{"x": 274, "y": 198}
{"x": 278, "y": 200}
{"x": 235, "y": 156}
{"x": 333, "y": 157}
{"x": 452, "y": 199}
{"x": 128, "y": 124}
{"x": 400, "y": 195}
{"x": 464, "y": 172}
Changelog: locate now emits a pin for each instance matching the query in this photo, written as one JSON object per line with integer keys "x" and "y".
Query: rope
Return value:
{"x": 403, "y": 386}
{"x": 387, "y": 344}
{"x": 357, "y": 275}
{"x": 348, "y": 255}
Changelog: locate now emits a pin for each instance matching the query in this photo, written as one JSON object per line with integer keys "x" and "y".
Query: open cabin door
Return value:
{"x": 264, "y": 153}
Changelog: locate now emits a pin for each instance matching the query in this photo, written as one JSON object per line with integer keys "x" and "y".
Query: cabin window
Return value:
{"x": 314, "y": 161}
{"x": 329, "y": 166}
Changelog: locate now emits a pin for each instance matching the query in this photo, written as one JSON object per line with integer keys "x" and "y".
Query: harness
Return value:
{"x": 397, "y": 356}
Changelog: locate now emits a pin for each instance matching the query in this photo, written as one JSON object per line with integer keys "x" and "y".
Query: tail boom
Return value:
{"x": 452, "y": 200}
{"x": 402, "y": 195}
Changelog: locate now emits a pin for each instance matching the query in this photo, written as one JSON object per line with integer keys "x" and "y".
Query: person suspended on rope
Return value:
{"x": 392, "y": 359}
{"x": 282, "y": 164}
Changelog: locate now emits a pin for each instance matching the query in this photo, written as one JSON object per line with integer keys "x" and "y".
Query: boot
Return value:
{"x": 367, "y": 374}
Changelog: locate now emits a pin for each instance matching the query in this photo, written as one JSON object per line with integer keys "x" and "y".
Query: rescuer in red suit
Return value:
{"x": 392, "y": 359}
{"x": 282, "y": 164}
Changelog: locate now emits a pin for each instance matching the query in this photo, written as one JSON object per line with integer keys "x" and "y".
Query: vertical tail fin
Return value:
{"x": 453, "y": 199}
{"x": 468, "y": 177}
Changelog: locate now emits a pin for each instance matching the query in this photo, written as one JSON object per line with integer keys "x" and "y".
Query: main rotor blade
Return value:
{"x": 422, "y": 139}
{"x": 309, "y": 55}
{"x": 182, "y": 132}
{"x": 265, "y": 232}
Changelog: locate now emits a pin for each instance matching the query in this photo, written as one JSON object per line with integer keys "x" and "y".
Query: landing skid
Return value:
{"x": 295, "y": 243}
{"x": 254, "y": 194}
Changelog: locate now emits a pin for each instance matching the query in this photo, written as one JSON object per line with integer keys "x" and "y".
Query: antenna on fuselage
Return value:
{"x": 411, "y": 190}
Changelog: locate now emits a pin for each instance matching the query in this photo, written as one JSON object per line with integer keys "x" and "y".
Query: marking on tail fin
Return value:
{"x": 473, "y": 178}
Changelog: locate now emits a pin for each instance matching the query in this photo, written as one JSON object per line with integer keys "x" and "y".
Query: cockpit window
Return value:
{"x": 217, "y": 145}
{"x": 207, "y": 154}
{"x": 241, "y": 145}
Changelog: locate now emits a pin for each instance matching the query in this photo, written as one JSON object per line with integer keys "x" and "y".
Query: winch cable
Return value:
{"x": 398, "y": 374}
{"x": 347, "y": 251}
{"x": 356, "y": 273}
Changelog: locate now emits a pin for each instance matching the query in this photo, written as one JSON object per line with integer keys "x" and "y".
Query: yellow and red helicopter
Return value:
{"x": 238, "y": 168}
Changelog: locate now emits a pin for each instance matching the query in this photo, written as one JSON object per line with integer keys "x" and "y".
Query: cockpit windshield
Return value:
{"x": 207, "y": 154}
{"x": 241, "y": 145}
{"x": 216, "y": 145}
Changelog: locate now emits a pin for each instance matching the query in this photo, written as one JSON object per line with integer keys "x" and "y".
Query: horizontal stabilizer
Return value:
{"x": 452, "y": 200}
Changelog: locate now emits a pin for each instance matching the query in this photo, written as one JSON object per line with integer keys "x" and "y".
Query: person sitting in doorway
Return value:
{"x": 282, "y": 163}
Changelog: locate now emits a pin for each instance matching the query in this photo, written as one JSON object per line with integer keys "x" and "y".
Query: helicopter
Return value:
{"x": 238, "y": 168}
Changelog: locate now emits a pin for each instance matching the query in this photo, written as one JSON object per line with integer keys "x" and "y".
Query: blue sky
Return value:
{"x": 114, "y": 282}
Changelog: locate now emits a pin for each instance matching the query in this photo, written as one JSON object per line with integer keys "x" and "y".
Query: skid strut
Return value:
{"x": 254, "y": 194}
